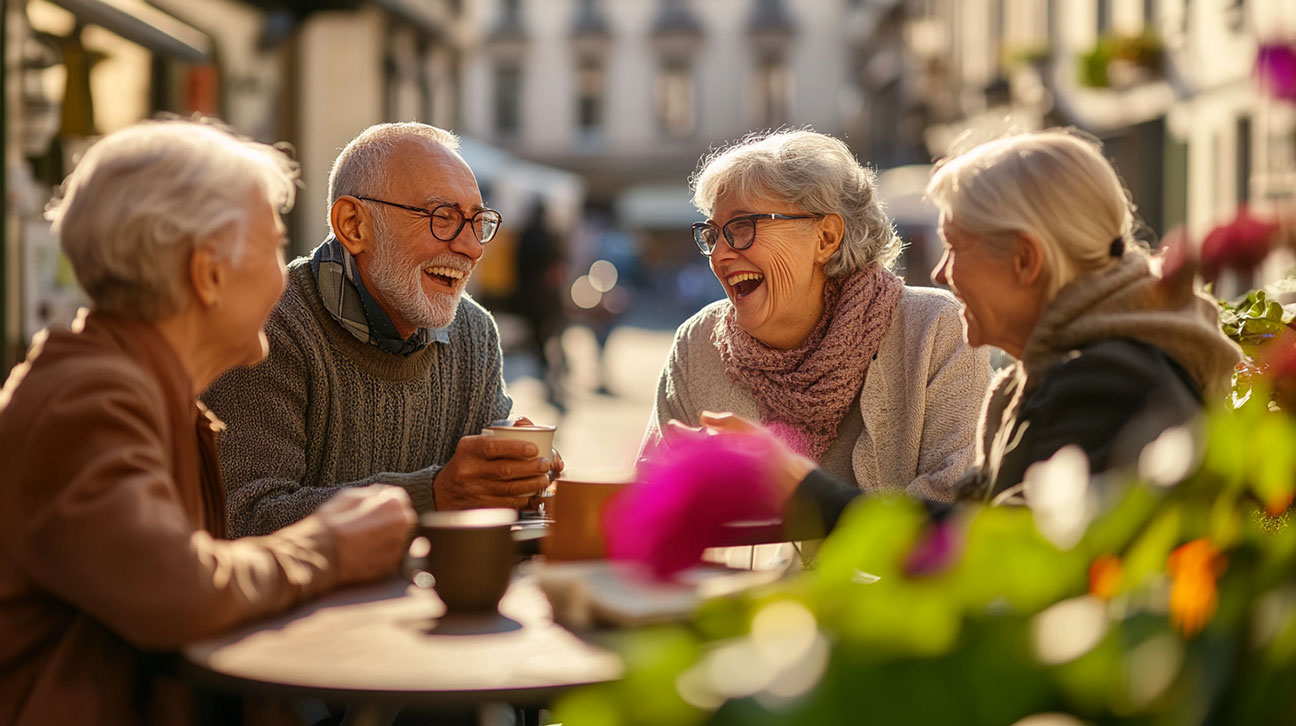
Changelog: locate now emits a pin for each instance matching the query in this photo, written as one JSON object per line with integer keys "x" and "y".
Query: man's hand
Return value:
{"x": 487, "y": 471}
{"x": 557, "y": 466}
{"x": 371, "y": 527}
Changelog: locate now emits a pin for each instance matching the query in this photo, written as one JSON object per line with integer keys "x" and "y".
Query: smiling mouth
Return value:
{"x": 447, "y": 276}
{"x": 745, "y": 283}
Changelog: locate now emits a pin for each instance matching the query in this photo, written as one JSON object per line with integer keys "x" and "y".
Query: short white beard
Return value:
{"x": 399, "y": 280}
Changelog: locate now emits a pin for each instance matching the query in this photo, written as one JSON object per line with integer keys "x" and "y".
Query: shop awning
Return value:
{"x": 145, "y": 25}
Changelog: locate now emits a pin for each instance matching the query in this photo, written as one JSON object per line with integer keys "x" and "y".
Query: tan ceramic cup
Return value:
{"x": 577, "y": 510}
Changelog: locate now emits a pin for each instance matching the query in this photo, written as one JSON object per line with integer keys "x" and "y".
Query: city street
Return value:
{"x": 599, "y": 434}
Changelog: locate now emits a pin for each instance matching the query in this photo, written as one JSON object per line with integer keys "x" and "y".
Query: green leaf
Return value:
{"x": 1113, "y": 531}
{"x": 1147, "y": 556}
{"x": 1273, "y": 449}
{"x": 1007, "y": 560}
{"x": 874, "y": 535}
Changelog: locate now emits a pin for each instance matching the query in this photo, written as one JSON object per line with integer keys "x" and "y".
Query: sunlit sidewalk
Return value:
{"x": 599, "y": 434}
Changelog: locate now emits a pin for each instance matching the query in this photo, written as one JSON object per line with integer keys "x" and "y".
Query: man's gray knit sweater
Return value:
{"x": 326, "y": 411}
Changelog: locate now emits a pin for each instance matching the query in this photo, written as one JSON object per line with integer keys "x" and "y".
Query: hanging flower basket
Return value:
{"x": 1120, "y": 61}
{"x": 1276, "y": 70}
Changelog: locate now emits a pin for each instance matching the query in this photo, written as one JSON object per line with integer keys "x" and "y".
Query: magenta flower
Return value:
{"x": 935, "y": 552}
{"x": 1241, "y": 244}
{"x": 685, "y": 495}
{"x": 1276, "y": 68}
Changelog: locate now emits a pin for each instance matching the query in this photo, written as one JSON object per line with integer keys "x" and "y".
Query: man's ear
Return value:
{"x": 208, "y": 276}
{"x": 351, "y": 225}
{"x": 1028, "y": 260}
{"x": 831, "y": 231}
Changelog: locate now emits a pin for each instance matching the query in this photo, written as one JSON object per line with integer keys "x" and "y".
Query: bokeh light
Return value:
{"x": 584, "y": 294}
{"x": 1069, "y": 629}
{"x": 603, "y": 275}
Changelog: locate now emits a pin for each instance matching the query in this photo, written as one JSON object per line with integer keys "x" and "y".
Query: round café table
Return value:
{"x": 378, "y": 648}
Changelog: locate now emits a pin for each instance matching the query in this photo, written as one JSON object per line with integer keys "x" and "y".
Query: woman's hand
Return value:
{"x": 787, "y": 468}
{"x": 371, "y": 526}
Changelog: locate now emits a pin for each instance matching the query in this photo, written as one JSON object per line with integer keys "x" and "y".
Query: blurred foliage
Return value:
{"x": 1144, "y": 51}
{"x": 1252, "y": 321}
{"x": 1176, "y": 606}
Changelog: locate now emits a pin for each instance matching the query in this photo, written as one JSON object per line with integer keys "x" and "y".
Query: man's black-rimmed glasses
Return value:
{"x": 739, "y": 232}
{"x": 447, "y": 221}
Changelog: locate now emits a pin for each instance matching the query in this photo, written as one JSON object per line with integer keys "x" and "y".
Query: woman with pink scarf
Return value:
{"x": 817, "y": 338}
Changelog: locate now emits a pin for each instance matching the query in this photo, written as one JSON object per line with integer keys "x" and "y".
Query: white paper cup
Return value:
{"x": 541, "y": 436}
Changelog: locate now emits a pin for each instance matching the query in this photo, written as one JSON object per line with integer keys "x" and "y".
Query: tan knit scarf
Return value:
{"x": 803, "y": 393}
{"x": 1128, "y": 300}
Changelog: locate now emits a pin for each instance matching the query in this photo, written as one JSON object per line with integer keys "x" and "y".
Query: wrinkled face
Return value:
{"x": 995, "y": 306}
{"x": 259, "y": 276}
{"x": 417, "y": 278}
{"x": 776, "y": 284}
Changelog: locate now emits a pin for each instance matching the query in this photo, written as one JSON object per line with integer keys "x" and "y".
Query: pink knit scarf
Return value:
{"x": 805, "y": 392}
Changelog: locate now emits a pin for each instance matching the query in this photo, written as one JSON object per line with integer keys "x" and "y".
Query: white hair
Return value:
{"x": 141, "y": 199}
{"x": 361, "y": 168}
{"x": 1054, "y": 186}
{"x": 814, "y": 172}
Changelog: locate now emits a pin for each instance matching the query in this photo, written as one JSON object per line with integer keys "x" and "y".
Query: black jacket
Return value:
{"x": 1110, "y": 398}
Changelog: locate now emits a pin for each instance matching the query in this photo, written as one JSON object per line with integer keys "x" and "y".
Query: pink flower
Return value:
{"x": 1276, "y": 68}
{"x": 935, "y": 552}
{"x": 686, "y": 493}
{"x": 1241, "y": 245}
{"x": 1278, "y": 362}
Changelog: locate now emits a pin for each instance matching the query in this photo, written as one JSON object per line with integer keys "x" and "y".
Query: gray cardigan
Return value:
{"x": 912, "y": 427}
{"x": 327, "y": 411}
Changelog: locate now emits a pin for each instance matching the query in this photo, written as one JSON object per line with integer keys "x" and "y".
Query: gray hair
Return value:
{"x": 815, "y": 172}
{"x": 1054, "y": 186}
{"x": 143, "y": 198}
{"x": 361, "y": 168}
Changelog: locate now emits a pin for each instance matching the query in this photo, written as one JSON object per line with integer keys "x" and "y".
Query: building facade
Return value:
{"x": 1168, "y": 86}
{"x": 306, "y": 73}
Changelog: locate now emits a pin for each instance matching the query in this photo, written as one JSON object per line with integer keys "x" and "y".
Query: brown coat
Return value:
{"x": 111, "y": 510}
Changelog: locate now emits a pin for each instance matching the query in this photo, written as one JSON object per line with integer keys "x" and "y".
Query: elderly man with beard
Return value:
{"x": 380, "y": 369}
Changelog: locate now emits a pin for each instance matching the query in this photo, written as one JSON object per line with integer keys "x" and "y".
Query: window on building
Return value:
{"x": 589, "y": 95}
{"x": 675, "y": 98}
{"x": 1243, "y": 154}
{"x": 1236, "y": 13}
{"x": 773, "y": 92}
{"x": 508, "y": 98}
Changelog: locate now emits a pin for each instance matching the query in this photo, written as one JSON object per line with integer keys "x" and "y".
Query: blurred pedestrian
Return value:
{"x": 538, "y": 297}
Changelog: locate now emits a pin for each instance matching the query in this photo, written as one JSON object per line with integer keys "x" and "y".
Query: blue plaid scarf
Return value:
{"x": 347, "y": 300}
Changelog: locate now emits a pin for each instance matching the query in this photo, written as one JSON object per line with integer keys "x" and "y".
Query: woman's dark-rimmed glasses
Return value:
{"x": 446, "y": 221}
{"x": 738, "y": 232}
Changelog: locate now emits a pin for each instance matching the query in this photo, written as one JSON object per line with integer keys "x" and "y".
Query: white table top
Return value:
{"x": 387, "y": 643}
